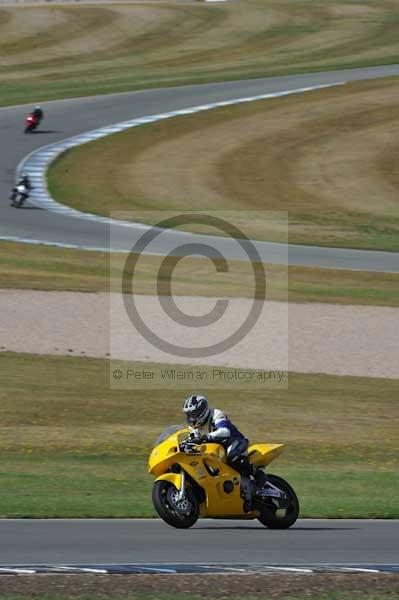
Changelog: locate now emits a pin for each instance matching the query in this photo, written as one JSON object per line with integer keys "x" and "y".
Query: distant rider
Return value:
{"x": 212, "y": 425}
{"x": 37, "y": 113}
{"x": 23, "y": 180}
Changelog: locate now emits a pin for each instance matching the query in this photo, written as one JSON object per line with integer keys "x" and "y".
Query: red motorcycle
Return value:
{"x": 31, "y": 123}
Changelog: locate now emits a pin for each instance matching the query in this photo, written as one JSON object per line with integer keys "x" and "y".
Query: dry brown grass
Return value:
{"x": 329, "y": 158}
{"x": 287, "y": 586}
{"x": 59, "y": 51}
{"x": 45, "y": 268}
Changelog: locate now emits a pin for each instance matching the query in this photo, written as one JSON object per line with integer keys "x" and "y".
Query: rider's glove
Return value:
{"x": 199, "y": 437}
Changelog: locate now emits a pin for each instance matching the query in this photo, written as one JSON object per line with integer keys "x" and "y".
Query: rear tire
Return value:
{"x": 270, "y": 517}
{"x": 18, "y": 201}
{"x": 165, "y": 509}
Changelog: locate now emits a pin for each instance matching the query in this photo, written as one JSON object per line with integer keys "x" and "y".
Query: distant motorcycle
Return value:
{"x": 19, "y": 195}
{"x": 31, "y": 123}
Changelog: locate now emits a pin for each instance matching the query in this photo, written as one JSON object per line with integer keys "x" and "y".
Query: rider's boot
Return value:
{"x": 248, "y": 489}
{"x": 260, "y": 478}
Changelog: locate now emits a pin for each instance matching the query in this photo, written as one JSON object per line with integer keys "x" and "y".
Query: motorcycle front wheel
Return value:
{"x": 274, "y": 517}
{"x": 180, "y": 514}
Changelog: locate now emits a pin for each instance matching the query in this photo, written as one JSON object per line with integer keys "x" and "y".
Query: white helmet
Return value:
{"x": 197, "y": 411}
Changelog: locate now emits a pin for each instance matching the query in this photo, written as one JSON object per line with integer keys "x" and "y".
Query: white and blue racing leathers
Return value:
{"x": 221, "y": 430}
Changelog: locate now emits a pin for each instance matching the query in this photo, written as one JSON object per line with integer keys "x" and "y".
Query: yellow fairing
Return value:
{"x": 261, "y": 455}
{"x": 219, "y": 502}
{"x": 209, "y": 470}
{"x": 211, "y": 458}
{"x": 166, "y": 454}
{"x": 174, "y": 478}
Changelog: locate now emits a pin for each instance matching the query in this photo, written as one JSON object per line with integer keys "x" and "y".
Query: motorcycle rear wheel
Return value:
{"x": 270, "y": 517}
{"x": 166, "y": 511}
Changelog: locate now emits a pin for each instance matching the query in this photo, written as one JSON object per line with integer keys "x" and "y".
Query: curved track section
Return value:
{"x": 36, "y": 164}
{"x": 211, "y": 542}
{"x": 76, "y": 116}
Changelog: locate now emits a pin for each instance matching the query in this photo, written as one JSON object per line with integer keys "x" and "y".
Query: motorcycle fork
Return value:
{"x": 182, "y": 491}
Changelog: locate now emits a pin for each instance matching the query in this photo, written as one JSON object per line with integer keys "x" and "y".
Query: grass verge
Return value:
{"x": 43, "y": 268}
{"x": 76, "y": 50}
{"x": 189, "y": 596}
{"x": 327, "y": 158}
{"x": 196, "y": 587}
{"x": 59, "y": 416}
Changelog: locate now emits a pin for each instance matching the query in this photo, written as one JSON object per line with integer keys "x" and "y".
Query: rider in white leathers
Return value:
{"x": 24, "y": 181}
{"x": 211, "y": 424}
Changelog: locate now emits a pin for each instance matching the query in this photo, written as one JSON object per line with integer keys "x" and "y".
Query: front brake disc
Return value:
{"x": 181, "y": 506}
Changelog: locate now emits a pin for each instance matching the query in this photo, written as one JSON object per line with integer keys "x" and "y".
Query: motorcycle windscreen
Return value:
{"x": 168, "y": 432}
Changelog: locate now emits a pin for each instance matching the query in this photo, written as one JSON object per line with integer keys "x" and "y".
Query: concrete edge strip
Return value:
{"x": 37, "y": 162}
{"x": 131, "y": 569}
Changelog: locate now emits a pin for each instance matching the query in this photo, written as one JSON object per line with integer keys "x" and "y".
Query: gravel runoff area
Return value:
{"x": 205, "y": 586}
{"x": 321, "y": 338}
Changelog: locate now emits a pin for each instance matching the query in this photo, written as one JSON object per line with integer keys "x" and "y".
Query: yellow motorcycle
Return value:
{"x": 194, "y": 480}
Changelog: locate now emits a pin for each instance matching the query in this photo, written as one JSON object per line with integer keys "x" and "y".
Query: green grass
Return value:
{"x": 43, "y": 268}
{"x": 106, "y": 486}
{"x": 66, "y": 51}
{"x": 71, "y": 446}
{"x": 98, "y": 485}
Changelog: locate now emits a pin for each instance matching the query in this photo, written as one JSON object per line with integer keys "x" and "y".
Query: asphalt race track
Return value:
{"x": 211, "y": 542}
{"x": 66, "y": 118}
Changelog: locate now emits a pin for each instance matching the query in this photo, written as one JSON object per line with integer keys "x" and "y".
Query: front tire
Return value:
{"x": 162, "y": 492}
{"x": 271, "y": 516}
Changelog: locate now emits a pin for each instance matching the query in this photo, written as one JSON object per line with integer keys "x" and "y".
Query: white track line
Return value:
{"x": 18, "y": 571}
{"x": 294, "y": 569}
{"x": 79, "y": 569}
{"x": 359, "y": 570}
